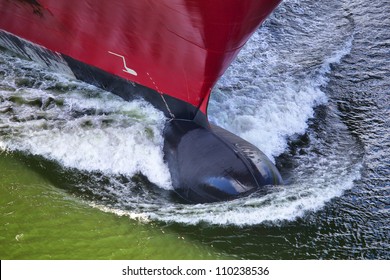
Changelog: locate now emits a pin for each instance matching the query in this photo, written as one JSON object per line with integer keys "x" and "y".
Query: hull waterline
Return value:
{"x": 169, "y": 52}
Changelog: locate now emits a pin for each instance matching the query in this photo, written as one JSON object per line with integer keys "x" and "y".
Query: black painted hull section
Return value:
{"x": 212, "y": 164}
{"x": 172, "y": 107}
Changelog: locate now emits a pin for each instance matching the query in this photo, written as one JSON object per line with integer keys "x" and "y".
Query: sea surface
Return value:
{"x": 82, "y": 174}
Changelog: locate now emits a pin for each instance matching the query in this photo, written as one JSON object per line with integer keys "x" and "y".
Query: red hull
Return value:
{"x": 177, "y": 48}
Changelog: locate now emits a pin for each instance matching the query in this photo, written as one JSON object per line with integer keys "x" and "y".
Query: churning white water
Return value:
{"x": 269, "y": 96}
{"x": 79, "y": 125}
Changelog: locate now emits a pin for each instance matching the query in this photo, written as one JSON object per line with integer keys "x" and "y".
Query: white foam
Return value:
{"x": 92, "y": 130}
{"x": 267, "y": 111}
{"x": 286, "y": 204}
{"x": 118, "y": 212}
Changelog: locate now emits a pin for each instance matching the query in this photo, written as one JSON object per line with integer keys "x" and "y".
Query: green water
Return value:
{"x": 41, "y": 221}
{"x": 90, "y": 148}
